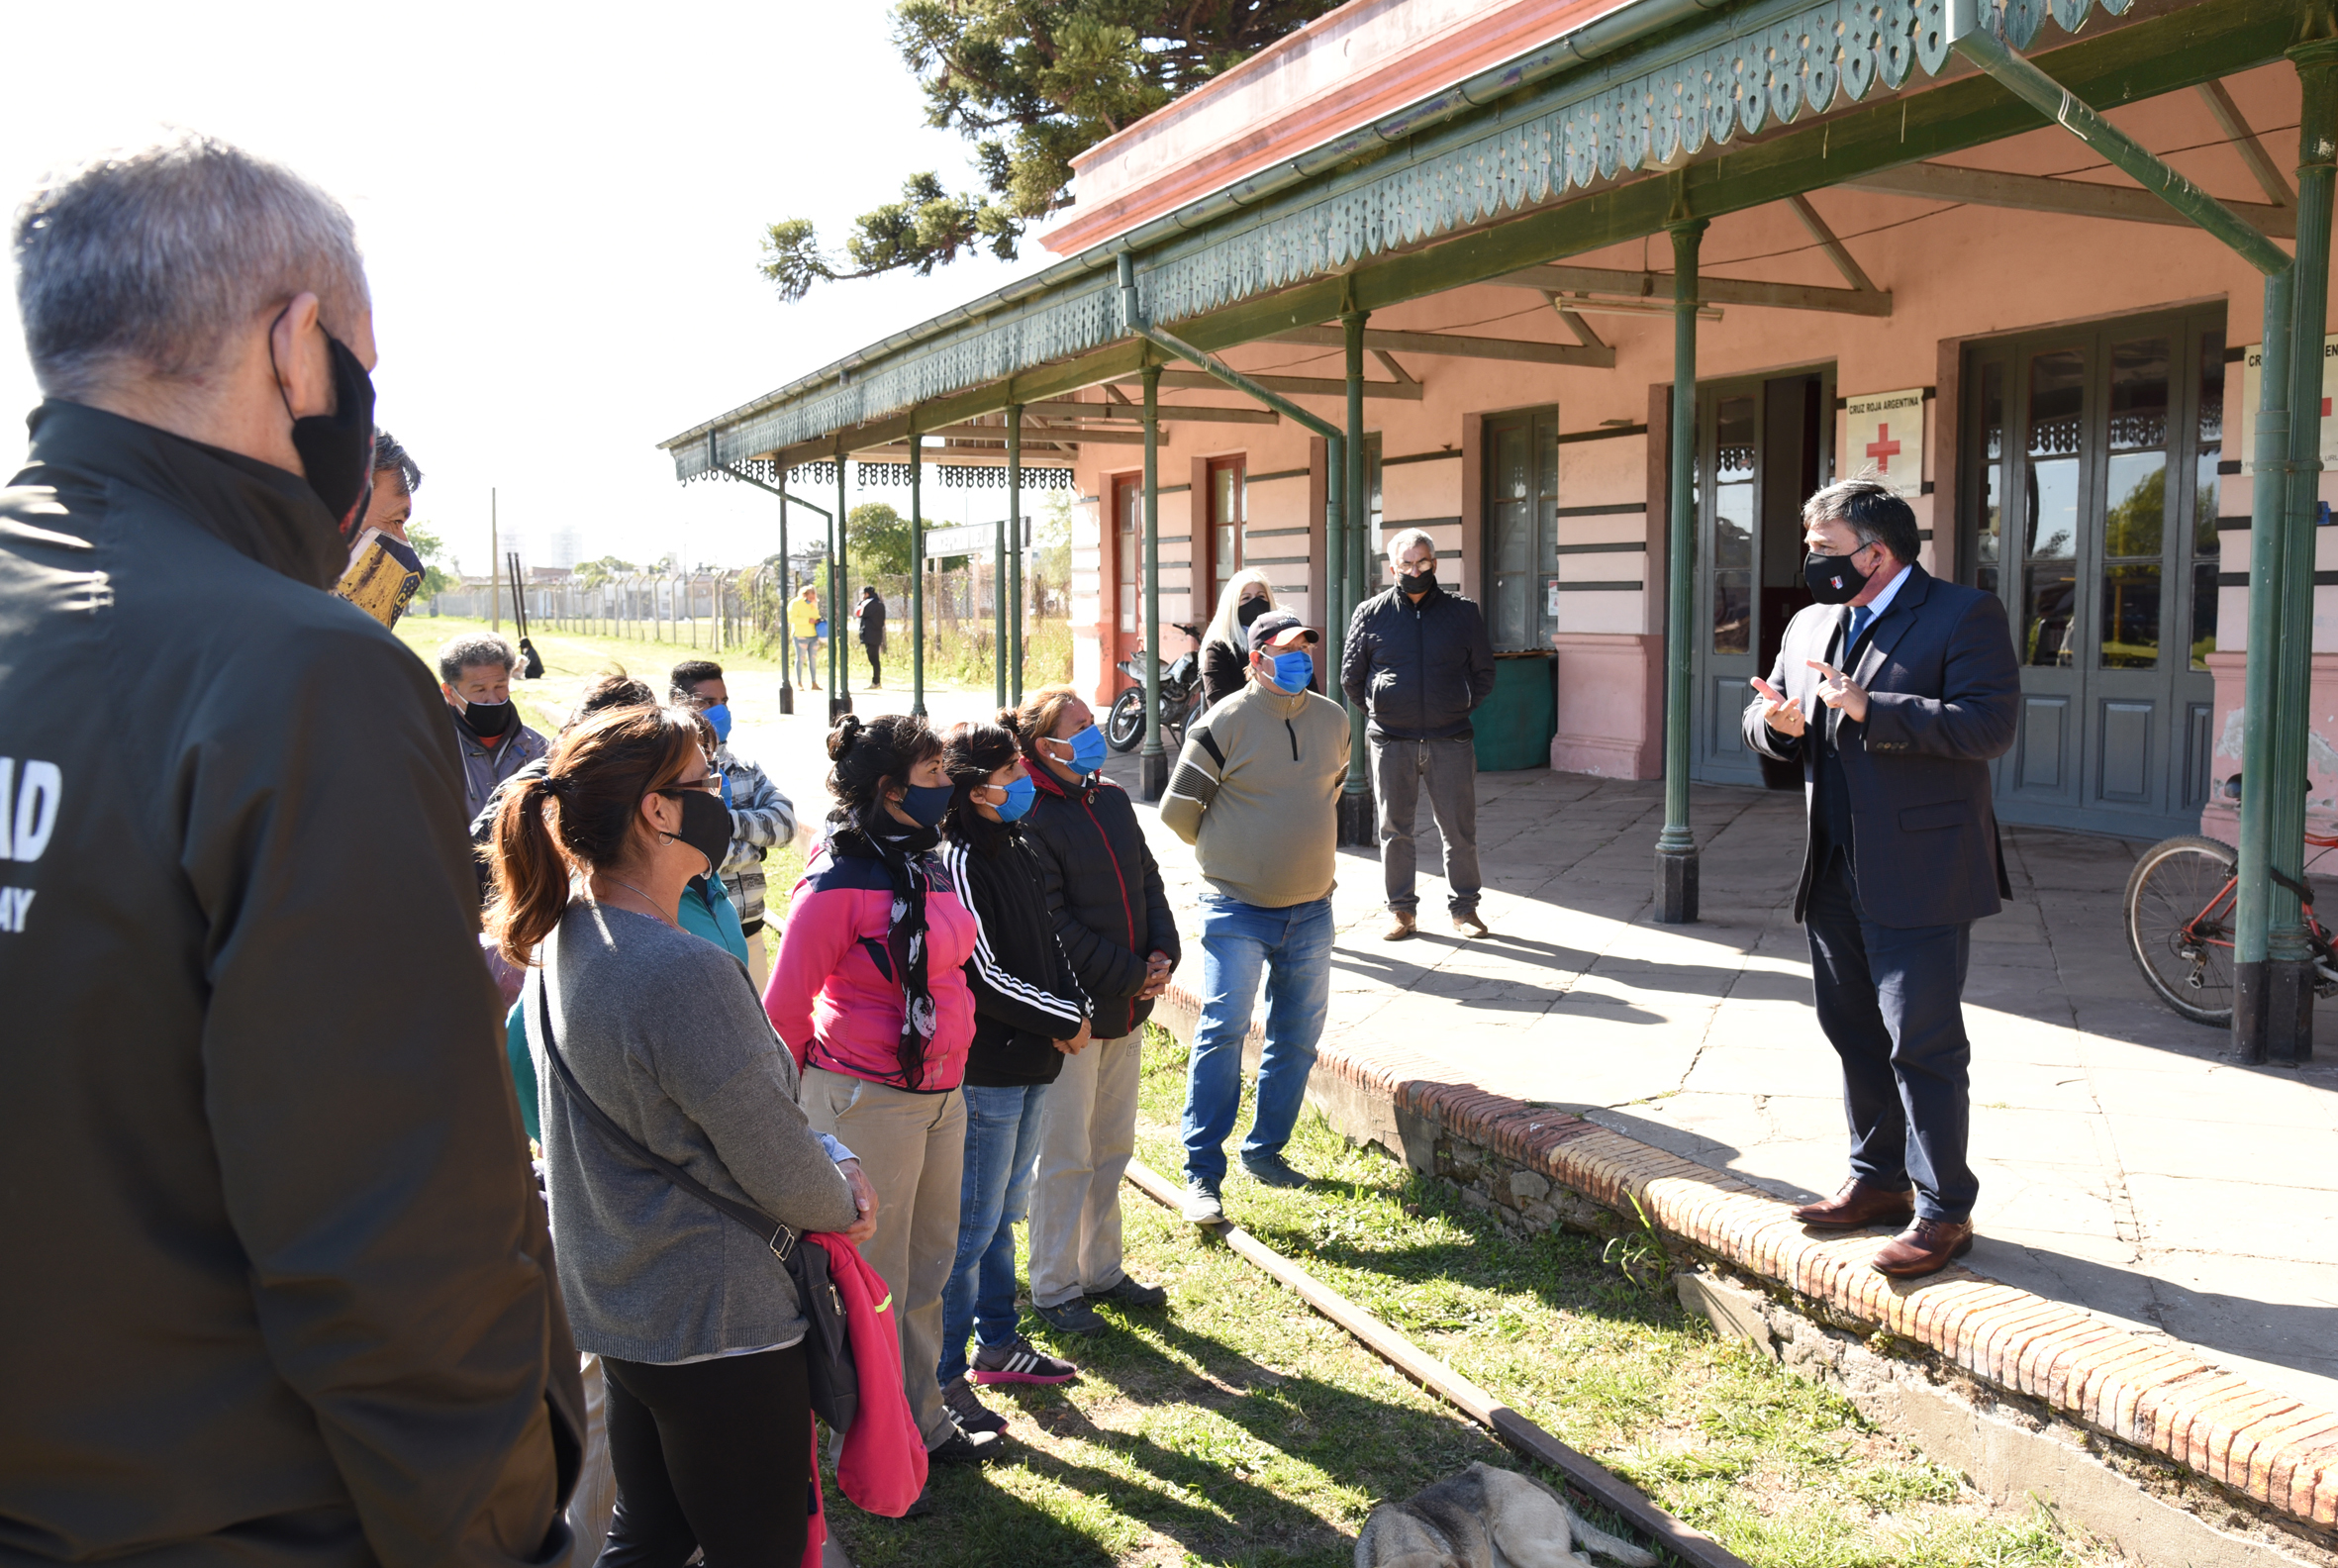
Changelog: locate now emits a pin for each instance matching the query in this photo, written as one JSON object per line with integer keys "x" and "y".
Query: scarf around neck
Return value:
{"x": 903, "y": 851}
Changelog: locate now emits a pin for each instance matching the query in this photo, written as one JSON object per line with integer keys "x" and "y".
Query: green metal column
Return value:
{"x": 1675, "y": 849}
{"x": 1153, "y": 774}
{"x": 999, "y": 616}
{"x": 786, "y": 590}
{"x": 2289, "y": 986}
{"x": 917, "y": 574}
{"x": 1014, "y": 588}
{"x": 839, "y": 658}
{"x": 2268, "y": 503}
{"x": 1357, "y": 825}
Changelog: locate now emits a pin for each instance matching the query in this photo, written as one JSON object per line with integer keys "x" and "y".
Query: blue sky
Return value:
{"x": 561, "y": 213}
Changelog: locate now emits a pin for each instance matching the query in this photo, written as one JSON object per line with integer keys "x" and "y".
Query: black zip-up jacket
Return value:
{"x": 277, "y": 1284}
{"x": 1417, "y": 669}
{"x": 1104, "y": 891}
{"x": 869, "y": 619}
{"x": 1026, "y": 997}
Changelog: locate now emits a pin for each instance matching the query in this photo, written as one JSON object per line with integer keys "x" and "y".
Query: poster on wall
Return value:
{"x": 1884, "y": 436}
{"x": 2241, "y": 448}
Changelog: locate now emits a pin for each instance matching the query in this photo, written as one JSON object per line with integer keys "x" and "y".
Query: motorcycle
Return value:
{"x": 1181, "y": 697}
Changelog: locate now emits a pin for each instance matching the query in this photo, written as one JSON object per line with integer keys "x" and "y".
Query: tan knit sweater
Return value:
{"x": 1256, "y": 793}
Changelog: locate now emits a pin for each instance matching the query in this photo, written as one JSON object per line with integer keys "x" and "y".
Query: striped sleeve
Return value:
{"x": 998, "y": 992}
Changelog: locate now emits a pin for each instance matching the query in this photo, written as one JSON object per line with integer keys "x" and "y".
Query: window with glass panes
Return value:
{"x": 1522, "y": 498}
{"x": 1228, "y": 493}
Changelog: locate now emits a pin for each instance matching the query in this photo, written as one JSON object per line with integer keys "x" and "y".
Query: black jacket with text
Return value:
{"x": 1417, "y": 669}
{"x": 278, "y": 1287}
{"x": 1026, "y": 995}
{"x": 1105, "y": 890}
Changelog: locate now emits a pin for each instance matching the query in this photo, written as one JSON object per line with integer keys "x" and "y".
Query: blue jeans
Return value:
{"x": 807, "y": 666}
{"x": 1293, "y": 947}
{"x": 1002, "y": 1148}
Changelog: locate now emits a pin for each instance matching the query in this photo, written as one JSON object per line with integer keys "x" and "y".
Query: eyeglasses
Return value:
{"x": 710, "y": 784}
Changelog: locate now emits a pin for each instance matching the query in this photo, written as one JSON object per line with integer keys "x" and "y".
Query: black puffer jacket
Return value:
{"x": 1026, "y": 997}
{"x": 1103, "y": 890}
{"x": 1418, "y": 667}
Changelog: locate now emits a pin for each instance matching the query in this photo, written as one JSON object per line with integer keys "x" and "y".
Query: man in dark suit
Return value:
{"x": 1890, "y": 697}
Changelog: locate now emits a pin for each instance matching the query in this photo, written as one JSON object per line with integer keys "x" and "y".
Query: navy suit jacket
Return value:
{"x": 1943, "y": 688}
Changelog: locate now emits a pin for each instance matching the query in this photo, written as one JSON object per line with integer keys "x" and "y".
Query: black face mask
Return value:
{"x": 705, "y": 826}
{"x": 489, "y": 720}
{"x": 337, "y": 448}
{"x": 1420, "y": 584}
{"x": 1250, "y": 609}
{"x": 1832, "y": 579}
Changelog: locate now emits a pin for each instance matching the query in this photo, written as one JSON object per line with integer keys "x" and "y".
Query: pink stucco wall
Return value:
{"x": 1955, "y": 273}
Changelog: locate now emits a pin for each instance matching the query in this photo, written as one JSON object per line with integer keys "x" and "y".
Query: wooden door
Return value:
{"x": 1128, "y": 536}
{"x": 1217, "y": 548}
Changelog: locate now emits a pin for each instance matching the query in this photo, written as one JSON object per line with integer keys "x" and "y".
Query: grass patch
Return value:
{"x": 1240, "y": 1427}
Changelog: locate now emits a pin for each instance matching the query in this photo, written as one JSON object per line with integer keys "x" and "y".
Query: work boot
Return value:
{"x": 1400, "y": 926}
{"x": 1859, "y": 1203}
{"x": 1467, "y": 923}
{"x": 1926, "y": 1248}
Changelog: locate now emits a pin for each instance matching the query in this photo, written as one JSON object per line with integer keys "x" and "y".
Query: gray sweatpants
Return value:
{"x": 1449, "y": 769}
{"x": 1087, "y": 1135}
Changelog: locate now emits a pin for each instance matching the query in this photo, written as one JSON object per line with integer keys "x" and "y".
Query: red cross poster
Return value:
{"x": 1884, "y": 436}
{"x": 2240, "y": 436}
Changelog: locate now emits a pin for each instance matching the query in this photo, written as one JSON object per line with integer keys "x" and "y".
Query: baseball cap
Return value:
{"x": 1279, "y": 625}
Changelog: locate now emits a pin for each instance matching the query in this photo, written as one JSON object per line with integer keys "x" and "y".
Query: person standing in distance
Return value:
{"x": 279, "y": 1289}
{"x": 1417, "y": 660}
{"x": 869, "y": 620}
{"x": 804, "y": 627}
{"x": 1256, "y": 794}
{"x": 475, "y": 678}
{"x": 1890, "y": 697}
{"x": 1225, "y": 641}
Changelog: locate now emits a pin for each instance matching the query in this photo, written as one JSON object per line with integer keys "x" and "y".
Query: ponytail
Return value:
{"x": 530, "y": 874}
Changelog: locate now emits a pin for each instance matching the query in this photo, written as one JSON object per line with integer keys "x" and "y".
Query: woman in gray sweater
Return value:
{"x": 694, "y": 1318}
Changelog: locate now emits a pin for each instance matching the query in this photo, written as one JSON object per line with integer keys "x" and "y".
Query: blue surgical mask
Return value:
{"x": 1019, "y": 799}
{"x": 720, "y": 717}
{"x": 1293, "y": 671}
{"x": 1088, "y": 751}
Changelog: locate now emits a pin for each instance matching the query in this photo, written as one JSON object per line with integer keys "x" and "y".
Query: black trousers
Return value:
{"x": 1890, "y": 1000}
{"x": 714, "y": 1454}
{"x": 876, "y": 674}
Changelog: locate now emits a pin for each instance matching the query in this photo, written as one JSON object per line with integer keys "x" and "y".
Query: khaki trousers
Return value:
{"x": 913, "y": 1149}
{"x": 1087, "y": 1133}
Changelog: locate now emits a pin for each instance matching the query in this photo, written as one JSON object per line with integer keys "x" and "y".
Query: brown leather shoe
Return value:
{"x": 1401, "y": 924}
{"x": 1468, "y": 923}
{"x": 1926, "y": 1248}
{"x": 1859, "y": 1203}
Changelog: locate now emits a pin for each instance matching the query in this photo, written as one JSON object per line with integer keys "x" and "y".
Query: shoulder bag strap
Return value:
{"x": 776, "y": 1236}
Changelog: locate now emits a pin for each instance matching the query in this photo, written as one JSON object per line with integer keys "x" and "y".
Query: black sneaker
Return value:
{"x": 972, "y": 1413}
{"x": 964, "y": 1447}
{"x": 1128, "y": 1293}
{"x": 1074, "y": 1317}
{"x": 1273, "y": 1170}
{"x": 1020, "y": 1361}
{"x": 1201, "y": 1206}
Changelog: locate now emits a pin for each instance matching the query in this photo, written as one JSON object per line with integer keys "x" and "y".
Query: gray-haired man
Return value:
{"x": 279, "y": 1287}
{"x": 1419, "y": 661}
{"x": 475, "y": 678}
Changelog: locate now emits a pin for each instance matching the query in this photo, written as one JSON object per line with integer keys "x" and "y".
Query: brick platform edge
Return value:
{"x": 2010, "y": 1354}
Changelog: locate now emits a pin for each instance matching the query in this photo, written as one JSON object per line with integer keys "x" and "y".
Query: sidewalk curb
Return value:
{"x": 2005, "y": 1359}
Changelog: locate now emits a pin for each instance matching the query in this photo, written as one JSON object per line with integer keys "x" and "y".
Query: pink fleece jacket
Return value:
{"x": 832, "y": 1004}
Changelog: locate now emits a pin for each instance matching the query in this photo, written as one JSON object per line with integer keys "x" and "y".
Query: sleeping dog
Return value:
{"x": 1486, "y": 1517}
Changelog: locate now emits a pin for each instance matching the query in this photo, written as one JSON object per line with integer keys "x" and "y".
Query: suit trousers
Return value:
{"x": 1450, "y": 770}
{"x": 1892, "y": 1003}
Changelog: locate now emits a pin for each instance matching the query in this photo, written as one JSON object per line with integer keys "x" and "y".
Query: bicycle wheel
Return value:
{"x": 1124, "y": 727}
{"x": 2179, "y": 925}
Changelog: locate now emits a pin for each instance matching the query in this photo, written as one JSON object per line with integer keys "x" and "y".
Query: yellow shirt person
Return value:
{"x": 804, "y": 615}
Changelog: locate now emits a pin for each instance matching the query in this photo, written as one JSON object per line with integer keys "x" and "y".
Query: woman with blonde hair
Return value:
{"x": 1226, "y": 642}
{"x": 696, "y": 1321}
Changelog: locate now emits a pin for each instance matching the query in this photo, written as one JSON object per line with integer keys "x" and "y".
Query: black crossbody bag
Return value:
{"x": 829, "y": 1367}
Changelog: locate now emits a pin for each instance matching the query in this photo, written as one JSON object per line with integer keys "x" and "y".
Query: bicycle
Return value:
{"x": 2181, "y": 912}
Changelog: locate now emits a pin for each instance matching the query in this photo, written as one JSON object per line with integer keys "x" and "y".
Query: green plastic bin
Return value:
{"x": 1514, "y": 725}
